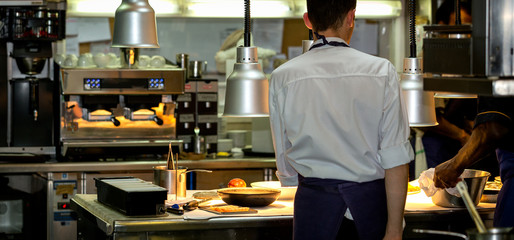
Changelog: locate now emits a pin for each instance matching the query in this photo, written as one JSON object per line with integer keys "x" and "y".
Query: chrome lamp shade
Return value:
{"x": 247, "y": 87}
{"x": 420, "y": 104}
{"x": 134, "y": 25}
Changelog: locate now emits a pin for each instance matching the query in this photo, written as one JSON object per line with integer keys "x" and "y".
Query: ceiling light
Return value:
{"x": 378, "y": 9}
{"x": 365, "y": 8}
{"x": 102, "y": 8}
{"x": 230, "y": 8}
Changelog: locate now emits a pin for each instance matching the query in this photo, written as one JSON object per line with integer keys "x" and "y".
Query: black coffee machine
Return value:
{"x": 28, "y": 86}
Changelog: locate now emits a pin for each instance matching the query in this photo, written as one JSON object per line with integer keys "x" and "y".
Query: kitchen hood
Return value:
{"x": 368, "y": 9}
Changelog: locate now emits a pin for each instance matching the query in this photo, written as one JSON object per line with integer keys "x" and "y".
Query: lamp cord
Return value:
{"x": 457, "y": 12}
{"x": 247, "y": 24}
{"x": 412, "y": 27}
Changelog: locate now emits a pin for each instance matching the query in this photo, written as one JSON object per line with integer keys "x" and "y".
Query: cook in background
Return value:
{"x": 340, "y": 132}
{"x": 493, "y": 129}
{"x": 455, "y": 116}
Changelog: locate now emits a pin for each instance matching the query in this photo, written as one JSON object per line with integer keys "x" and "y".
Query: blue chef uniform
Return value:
{"x": 501, "y": 110}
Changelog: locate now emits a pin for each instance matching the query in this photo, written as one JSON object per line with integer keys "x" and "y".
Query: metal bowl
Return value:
{"x": 475, "y": 180}
{"x": 491, "y": 234}
{"x": 249, "y": 197}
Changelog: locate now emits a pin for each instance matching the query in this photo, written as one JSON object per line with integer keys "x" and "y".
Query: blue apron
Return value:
{"x": 504, "y": 212}
{"x": 320, "y": 204}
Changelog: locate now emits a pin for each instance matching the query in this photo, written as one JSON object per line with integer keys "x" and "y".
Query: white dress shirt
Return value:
{"x": 337, "y": 113}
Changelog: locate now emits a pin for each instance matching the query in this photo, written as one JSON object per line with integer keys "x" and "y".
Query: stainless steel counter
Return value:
{"x": 102, "y": 222}
{"x": 97, "y": 221}
{"x": 81, "y": 175}
{"x": 225, "y": 163}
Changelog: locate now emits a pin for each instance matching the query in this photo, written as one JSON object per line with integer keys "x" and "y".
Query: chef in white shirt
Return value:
{"x": 340, "y": 132}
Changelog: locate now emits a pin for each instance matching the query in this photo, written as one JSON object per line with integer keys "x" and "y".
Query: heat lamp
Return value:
{"x": 247, "y": 86}
{"x": 420, "y": 104}
{"x": 134, "y": 27}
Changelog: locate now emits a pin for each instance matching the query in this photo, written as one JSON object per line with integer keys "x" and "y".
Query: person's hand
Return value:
{"x": 447, "y": 174}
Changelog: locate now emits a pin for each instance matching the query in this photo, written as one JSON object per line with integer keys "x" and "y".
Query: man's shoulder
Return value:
{"x": 375, "y": 63}
{"x": 368, "y": 58}
{"x": 291, "y": 65}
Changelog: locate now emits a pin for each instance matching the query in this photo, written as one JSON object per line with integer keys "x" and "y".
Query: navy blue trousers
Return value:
{"x": 504, "y": 212}
{"x": 320, "y": 205}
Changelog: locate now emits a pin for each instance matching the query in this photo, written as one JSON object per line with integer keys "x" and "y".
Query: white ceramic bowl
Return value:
{"x": 144, "y": 60}
{"x": 101, "y": 60}
{"x": 157, "y": 61}
{"x": 287, "y": 193}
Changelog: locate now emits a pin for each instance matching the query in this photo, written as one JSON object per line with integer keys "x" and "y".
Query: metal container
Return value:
{"x": 473, "y": 234}
{"x": 182, "y": 60}
{"x": 173, "y": 180}
{"x": 475, "y": 180}
{"x": 491, "y": 234}
{"x": 196, "y": 68}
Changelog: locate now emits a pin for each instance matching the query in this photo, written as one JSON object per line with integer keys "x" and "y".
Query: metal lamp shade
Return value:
{"x": 420, "y": 108}
{"x": 247, "y": 87}
{"x": 420, "y": 104}
{"x": 134, "y": 25}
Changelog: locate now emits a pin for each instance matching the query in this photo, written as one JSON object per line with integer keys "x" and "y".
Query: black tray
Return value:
{"x": 131, "y": 196}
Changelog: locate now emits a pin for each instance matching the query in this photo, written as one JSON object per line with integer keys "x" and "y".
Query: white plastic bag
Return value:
{"x": 426, "y": 183}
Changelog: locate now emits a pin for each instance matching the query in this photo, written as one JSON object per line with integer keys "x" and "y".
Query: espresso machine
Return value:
{"x": 122, "y": 112}
{"x": 118, "y": 113}
{"x": 27, "y": 83}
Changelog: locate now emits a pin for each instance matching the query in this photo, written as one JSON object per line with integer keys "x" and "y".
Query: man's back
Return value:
{"x": 339, "y": 106}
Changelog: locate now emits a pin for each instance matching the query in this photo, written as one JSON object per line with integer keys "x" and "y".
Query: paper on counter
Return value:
{"x": 278, "y": 208}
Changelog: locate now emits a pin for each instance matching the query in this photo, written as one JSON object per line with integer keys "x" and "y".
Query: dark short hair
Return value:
{"x": 448, "y": 7}
{"x": 326, "y": 14}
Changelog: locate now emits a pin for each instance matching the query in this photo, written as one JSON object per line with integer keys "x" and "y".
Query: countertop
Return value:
{"x": 418, "y": 208}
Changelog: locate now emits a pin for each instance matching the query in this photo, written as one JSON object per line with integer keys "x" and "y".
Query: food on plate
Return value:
{"x": 223, "y": 154}
{"x": 229, "y": 208}
{"x": 411, "y": 189}
{"x": 493, "y": 186}
{"x": 491, "y": 190}
{"x": 498, "y": 179}
{"x": 206, "y": 195}
{"x": 237, "y": 182}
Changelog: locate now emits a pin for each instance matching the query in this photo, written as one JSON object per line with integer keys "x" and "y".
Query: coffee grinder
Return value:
{"x": 29, "y": 93}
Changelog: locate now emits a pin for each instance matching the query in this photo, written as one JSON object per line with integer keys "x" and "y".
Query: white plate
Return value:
{"x": 287, "y": 193}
